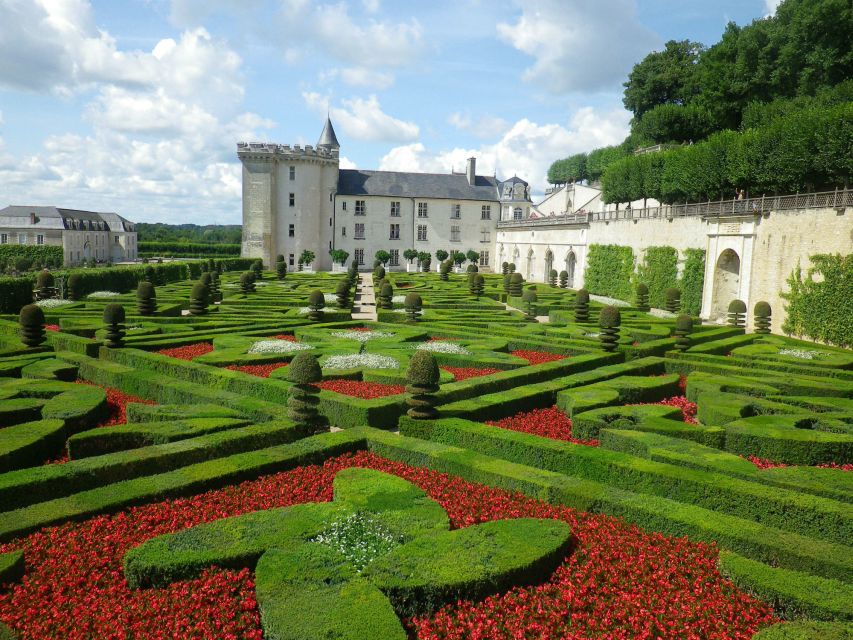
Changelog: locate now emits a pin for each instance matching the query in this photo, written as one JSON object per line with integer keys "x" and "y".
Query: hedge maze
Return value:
{"x": 359, "y": 494}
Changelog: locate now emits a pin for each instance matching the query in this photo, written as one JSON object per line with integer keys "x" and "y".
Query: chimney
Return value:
{"x": 32, "y": 218}
{"x": 471, "y": 170}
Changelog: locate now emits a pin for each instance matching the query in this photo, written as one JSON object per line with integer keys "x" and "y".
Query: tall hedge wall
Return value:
{"x": 15, "y": 293}
{"x": 822, "y": 309}
{"x": 43, "y": 254}
{"x": 659, "y": 271}
{"x": 693, "y": 281}
{"x": 609, "y": 268}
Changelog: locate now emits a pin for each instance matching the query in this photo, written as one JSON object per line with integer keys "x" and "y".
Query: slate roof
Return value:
{"x": 328, "y": 138}
{"x": 450, "y": 186}
{"x": 53, "y": 218}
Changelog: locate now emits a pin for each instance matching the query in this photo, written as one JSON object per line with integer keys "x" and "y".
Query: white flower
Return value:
{"x": 398, "y": 299}
{"x": 330, "y": 298}
{"x": 104, "y": 294}
{"x": 278, "y": 346}
{"x": 803, "y": 354}
{"x": 442, "y": 346}
{"x": 51, "y": 303}
{"x": 361, "y": 361}
{"x": 361, "y": 336}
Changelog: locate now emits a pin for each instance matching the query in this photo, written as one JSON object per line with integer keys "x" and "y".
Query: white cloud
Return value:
{"x": 578, "y": 45}
{"x": 486, "y": 126}
{"x": 526, "y": 149}
{"x": 362, "y": 77}
{"x": 371, "y": 6}
{"x": 330, "y": 29}
{"x": 771, "y": 6}
{"x": 192, "y": 13}
{"x": 364, "y": 119}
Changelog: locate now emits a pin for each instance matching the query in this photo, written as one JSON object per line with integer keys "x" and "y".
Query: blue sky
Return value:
{"x": 136, "y": 105}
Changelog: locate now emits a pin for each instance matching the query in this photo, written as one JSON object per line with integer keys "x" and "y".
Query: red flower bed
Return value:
{"x": 834, "y": 465}
{"x": 620, "y": 582}
{"x": 288, "y": 337}
{"x": 117, "y": 403}
{"x": 51, "y": 327}
{"x": 260, "y": 370}
{"x": 360, "y": 389}
{"x": 189, "y": 351}
{"x": 463, "y": 373}
{"x": 550, "y": 423}
{"x": 536, "y": 357}
{"x": 764, "y": 463}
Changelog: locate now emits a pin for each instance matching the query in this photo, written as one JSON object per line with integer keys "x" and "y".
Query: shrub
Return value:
{"x": 683, "y": 327}
{"x": 609, "y": 270}
{"x": 74, "y": 286}
{"x": 258, "y": 269}
{"x": 14, "y": 294}
{"x": 247, "y": 282}
{"x": 564, "y": 279}
{"x": 530, "y": 299}
{"x": 609, "y": 320}
{"x": 582, "y": 306}
{"x": 672, "y": 300}
{"x": 31, "y": 320}
{"x": 444, "y": 271}
{"x": 820, "y": 308}
{"x": 343, "y": 293}
{"x": 512, "y": 267}
{"x": 45, "y": 284}
{"x": 146, "y": 299}
{"x": 379, "y": 273}
{"x": 281, "y": 269}
{"x": 737, "y": 313}
{"x": 303, "y": 371}
{"x": 762, "y": 313}
{"x": 199, "y": 299}
{"x": 316, "y": 302}
{"x": 114, "y": 322}
{"x": 659, "y": 271}
{"x": 386, "y": 296}
{"x": 515, "y": 282}
{"x": 552, "y": 277}
{"x": 422, "y": 377}
{"x": 641, "y": 297}
{"x": 413, "y": 305}
{"x": 426, "y": 261}
{"x": 441, "y": 255}
{"x": 478, "y": 285}
{"x": 693, "y": 281}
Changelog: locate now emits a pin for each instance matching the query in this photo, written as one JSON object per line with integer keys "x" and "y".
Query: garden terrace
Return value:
{"x": 586, "y": 475}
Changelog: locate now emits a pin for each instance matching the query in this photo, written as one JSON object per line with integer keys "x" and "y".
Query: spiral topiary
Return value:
{"x": 281, "y": 268}
{"x": 505, "y": 268}
{"x": 146, "y": 299}
{"x": 511, "y": 267}
{"x": 478, "y": 285}
{"x": 149, "y": 275}
{"x": 564, "y": 279}
{"x": 444, "y": 271}
{"x": 45, "y": 285}
{"x": 247, "y": 282}
{"x": 114, "y": 324}
{"x": 609, "y": 320}
{"x": 425, "y": 264}
{"x": 316, "y": 302}
{"x": 672, "y": 297}
{"x": 215, "y": 291}
{"x": 762, "y": 313}
{"x": 582, "y": 306}
{"x": 386, "y": 296}
{"x": 199, "y": 299}
{"x": 552, "y": 277}
{"x": 641, "y": 297}
{"x": 472, "y": 268}
{"x": 737, "y": 314}
{"x": 31, "y": 321}
{"x": 413, "y": 305}
{"x": 302, "y": 401}
{"x": 530, "y": 299}
{"x": 206, "y": 279}
{"x": 507, "y": 279}
{"x": 258, "y": 269}
{"x": 422, "y": 377}
{"x": 74, "y": 286}
{"x": 343, "y": 294}
{"x": 515, "y": 282}
{"x": 683, "y": 328}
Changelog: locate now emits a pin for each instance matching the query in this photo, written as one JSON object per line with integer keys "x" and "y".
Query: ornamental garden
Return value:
{"x": 211, "y": 450}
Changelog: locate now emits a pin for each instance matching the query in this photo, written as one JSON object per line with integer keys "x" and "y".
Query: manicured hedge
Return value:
{"x": 609, "y": 268}
{"x": 692, "y": 281}
{"x": 659, "y": 272}
{"x": 188, "y": 249}
{"x": 15, "y": 293}
{"x": 11, "y": 567}
{"x": 45, "y": 254}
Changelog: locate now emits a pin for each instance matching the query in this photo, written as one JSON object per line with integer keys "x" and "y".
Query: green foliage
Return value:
{"x": 383, "y": 256}
{"x": 761, "y": 313}
{"x": 31, "y": 255}
{"x": 14, "y": 294}
{"x": 247, "y": 282}
{"x": 663, "y": 77}
{"x": 564, "y": 279}
{"x": 316, "y": 303}
{"x": 410, "y": 254}
{"x": 339, "y": 256}
{"x": 441, "y": 255}
{"x": 659, "y": 271}
{"x": 571, "y": 169}
{"x": 582, "y": 306}
{"x": 11, "y": 567}
{"x": 820, "y": 309}
{"x": 693, "y": 281}
{"x": 671, "y": 123}
{"x": 683, "y": 327}
{"x": 113, "y": 313}
{"x": 187, "y": 249}
{"x": 31, "y": 320}
{"x": 609, "y": 270}
{"x": 472, "y": 256}
{"x": 189, "y": 233}
{"x": 672, "y": 300}
{"x": 423, "y": 369}
{"x": 413, "y": 305}
{"x": 609, "y": 317}
{"x": 599, "y": 159}
{"x": 199, "y": 299}
{"x": 641, "y": 297}
{"x": 304, "y": 369}
{"x": 307, "y": 257}
{"x": 515, "y": 282}
{"x": 806, "y": 630}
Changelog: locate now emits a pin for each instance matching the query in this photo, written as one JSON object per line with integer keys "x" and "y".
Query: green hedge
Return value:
{"x": 11, "y": 567}
{"x": 658, "y": 271}
{"x": 15, "y": 293}
{"x": 45, "y": 254}
{"x": 188, "y": 249}
{"x": 693, "y": 281}
{"x": 609, "y": 268}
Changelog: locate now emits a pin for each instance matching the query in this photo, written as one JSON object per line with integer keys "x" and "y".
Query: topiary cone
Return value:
{"x": 422, "y": 377}
{"x": 386, "y": 296}
{"x": 683, "y": 327}
{"x": 303, "y": 371}
{"x": 146, "y": 299}
{"x": 582, "y": 306}
{"x": 199, "y": 299}
{"x": 74, "y": 286}
{"x": 515, "y": 282}
{"x": 343, "y": 293}
{"x": 673, "y": 299}
{"x": 281, "y": 268}
{"x": 641, "y": 300}
{"x": 316, "y": 302}
{"x": 247, "y": 282}
{"x": 114, "y": 323}
{"x": 31, "y": 321}
{"x": 530, "y": 299}
{"x": 444, "y": 271}
{"x": 215, "y": 293}
{"x": 45, "y": 285}
{"x": 413, "y": 305}
{"x": 552, "y": 278}
{"x": 609, "y": 320}
{"x": 258, "y": 269}
{"x": 762, "y": 319}
{"x": 737, "y": 314}
{"x": 564, "y": 279}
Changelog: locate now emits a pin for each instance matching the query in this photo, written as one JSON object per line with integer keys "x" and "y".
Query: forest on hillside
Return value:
{"x": 189, "y": 233}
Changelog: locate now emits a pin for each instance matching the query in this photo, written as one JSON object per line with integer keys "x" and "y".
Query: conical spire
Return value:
{"x": 328, "y": 139}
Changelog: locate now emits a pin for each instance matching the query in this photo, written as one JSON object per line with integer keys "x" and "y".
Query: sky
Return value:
{"x": 136, "y": 106}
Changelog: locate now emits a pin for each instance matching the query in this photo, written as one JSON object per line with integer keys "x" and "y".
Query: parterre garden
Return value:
{"x": 236, "y": 457}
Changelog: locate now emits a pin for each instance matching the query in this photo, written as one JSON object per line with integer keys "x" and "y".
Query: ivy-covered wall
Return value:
{"x": 45, "y": 255}
{"x": 822, "y": 309}
{"x": 609, "y": 268}
{"x": 659, "y": 272}
{"x": 692, "y": 281}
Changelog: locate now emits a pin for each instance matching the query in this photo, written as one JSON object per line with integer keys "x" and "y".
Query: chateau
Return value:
{"x": 298, "y": 198}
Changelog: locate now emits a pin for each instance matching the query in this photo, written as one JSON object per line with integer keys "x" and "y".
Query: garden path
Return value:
{"x": 364, "y": 305}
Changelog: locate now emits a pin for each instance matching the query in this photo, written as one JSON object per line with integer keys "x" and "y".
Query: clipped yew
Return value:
{"x": 215, "y": 291}
{"x": 762, "y": 320}
{"x": 511, "y": 267}
{"x": 386, "y": 296}
{"x": 413, "y": 305}
{"x": 281, "y": 268}
{"x": 258, "y": 269}
{"x": 515, "y": 282}
{"x": 146, "y": 299}
{"x": 683, "y": 328}
{"x": 478, "y": 285}
{"x": 641, "y": 297}
{"x": 148, "y": 274}
{"x": 507, "y": 278}
{"x": 505, "y": 268}
{"x": 444, "y": 271}
{"x": 672, "y": 297}
{"x": 422, "y": 377}
{"x": 582, "y": 306}
{"x": 564, "y": 279}
{"x": 74, "y": 287}
{"x": 114, "y": 325}
{"x": 199, "y": 299}
{"x": 316, "y": 303}
{"x": 45, "y": 285}
{"x": 31, "y": 320}
{"x": 303, "y": 399}
{"x": 343, "y": 294}
{"x": 552, "y": 278}
{"x": 379, "y": 272}
{"x": 247, "y": 282}
{"x": 737, "y": 313}
{"x": 530, "y": 299}
{"x": 609, "y": 320}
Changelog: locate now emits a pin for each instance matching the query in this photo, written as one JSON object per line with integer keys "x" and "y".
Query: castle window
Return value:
{"x": 360, "y": 208}
{"x": 395, "y": 232}
{"x": 395, "y": 258}
{"x": 484, "y": 258}
{"x": 343, "y": 205}
{"x": 395, "y": 209}
{"x": 115, "y": 239}
{"x": 456, "y": 233}
{"x": 292, "y": 199}
{"x": 290, "y": 259}
{"x": 291, "y": 230}
{"x": 423, "y": 210}
{"x": 343, "y": 232}
{"x": 292, "y": 172}
{"x": 486, "y": 212}
{"x": 359, "y": 256}
{"x": 4, "y": 238}
{"x": 456, "y": 211}
{"x": 516, "y": 213}
{"x": 39, "y": 239}
{"x": 485, "y": 235}
{"x": 359, "y": 231}
{"x": 422, "y": 232}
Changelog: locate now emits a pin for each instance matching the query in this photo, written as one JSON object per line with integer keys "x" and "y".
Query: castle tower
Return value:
{"x": 288, "y": 195}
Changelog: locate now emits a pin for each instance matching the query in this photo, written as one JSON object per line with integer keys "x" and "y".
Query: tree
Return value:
{"x": 571, "y": 169}
{"x": 663, "y": 77}
{"x": 410, "y": 254}
{"x": 473, "y": 256}
{"x": 307, "y": 257}
{"x": 441, "y": 255}
{"x": 339, "y": 256}
{"x": 674, "y": 123}
{"x": 599, "y": 159}
{"x": 114, "y": 324}
{"x": 383, "y": 256}
{"x": 459, "y": 258}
